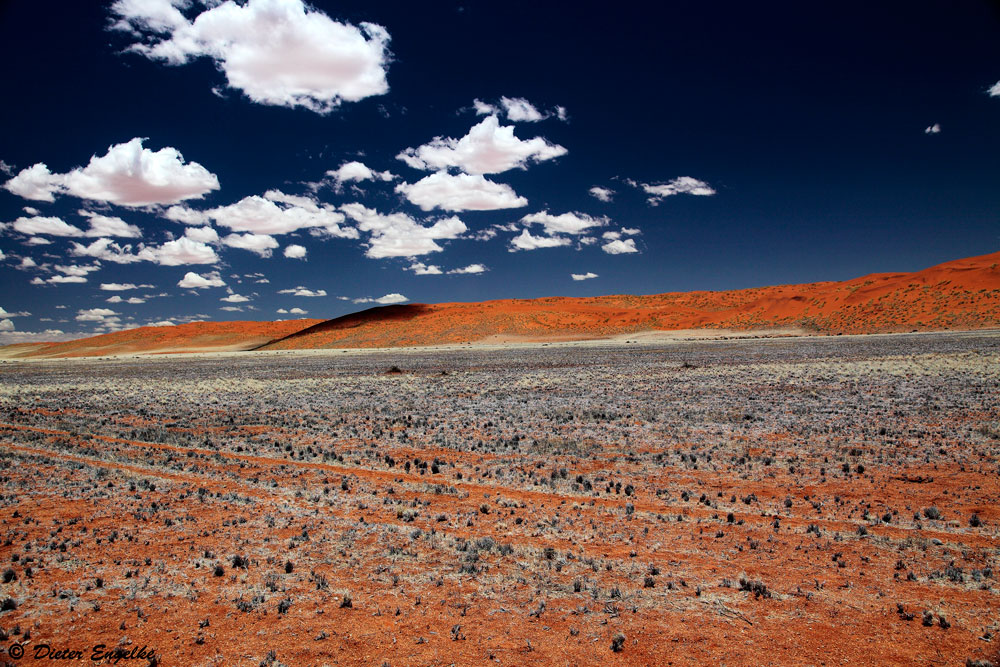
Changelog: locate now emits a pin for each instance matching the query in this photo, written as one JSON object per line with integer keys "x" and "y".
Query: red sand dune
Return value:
{"x": 193, "y": 337}
{"x": 962, "y": 294}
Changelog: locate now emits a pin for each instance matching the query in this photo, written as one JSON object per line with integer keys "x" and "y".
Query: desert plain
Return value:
{"x": 811, "y": 500}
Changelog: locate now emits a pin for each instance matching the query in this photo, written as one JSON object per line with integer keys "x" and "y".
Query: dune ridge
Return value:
{"x": 961, "y": 294}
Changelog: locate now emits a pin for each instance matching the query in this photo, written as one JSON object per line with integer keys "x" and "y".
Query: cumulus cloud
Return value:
{"x": 132, "y": 300}
{"x": 384, "y": 300}
{"x": 103, "y": 317}
{"x": 933, "y": 129}
{"x": 460, "y": 192}
{"x": 517, "y": 109}
{"x": 295, "y": 252}
{"x": 488, "y": 148}
{"x": 583, "y": 276}
{"x": 49, "y": 335}
{"x": 565, "y": 223}
{"x": 107, "y": 250}
{"x": 234, "y": 298}
{"x": 36, "y": 182}
{"x": 421, "y": 269}
{"x": 604, "y": 194}
{"x": 127, "y": 175}
{"x": 399, "y": 235}
{"x": 178, "y": 252}
{"x": 280, "y": 213}
{"x": 261, "y": 244}
{"x": 105, "y": 225}
{"x": 682, "y": 185}
{"x": 470, "y": 269}
{"x": 631, "y": 231}
{"x": 45, "y": 225}
{"x": 192, "y": 280}
{"x": 303, "y": 291}
{"x": 620, "y": 247}
{"x": 172, "y": 253}
{"x": 121, "y": 287}
{"x": 57, "y": 279}
{"x": 276, "y": 52}
{"x": 355, "y": 172}
{"x": 202, "y": 234}
{"x": 186, "y": 215}
{"x": 994, "y": 90}
{"x": 526, "y": 241}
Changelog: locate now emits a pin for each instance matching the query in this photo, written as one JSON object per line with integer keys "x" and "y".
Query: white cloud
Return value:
{"x": 37, "y": 240}
{"x": 384, "y": 300}
{"x": 45, "y": 225}
{"x": 133, "y": 300}
{"x": 528, "y": 242}
{"x": 56, "y": 280}
{"x": 276, "y": 52}
{"x": 186, "y": 215}
{"x": 399, "y": 235}
{"x": 295, "y": 252}
{"x": 357, "y": 171}
{"x": 192, "y": 280}
{"x": 234, "y": 298}
{"x": 36, "y": 182}
{"x": 96, "y": 315}
{"x": 303, "y": 291}
{"x": 232, "y": 309}
{"x": 6, "y": 169}
{"x": 460, "y": 192}
{"x": 4, "y": 314}
{"x": 49, "y": 335}
{"x": 27, "y": 263}
{"x": 583, "y": 276}
{"x": 298, "y": 311}
{"x": 264, "y": 215}
{"x": 565, "y": 223}
{"x": 202, "y": 234}
{"x": 6, "y": 325}
{"x": 619, "y": 247}
{"x": 107, "y": 250}
{"x": 483, "y": 108}
{"x": 681, "y": 185}
{"x": 262, "y": 244}
{"x": 611, "y": 235}
{"x": 421, "y": 269}
{"x": 121, "y": 287}
{"x": 178, "y": 252}
{"x": 994, "y": 90}
{"x": 488, "y": 148}
{"x": 77, "y": 270}
{"x": 130, "y": 175}
{"x": 604, "y": 194}
{"x": 104, "y": 225}
{"x": 631, "y": 231}
{"x": 521, "y": 110}
{"x": 933, "y": 129}
{"x": 517, "y": 109}
{"x": 162, "y": 323}
{"x": 470, "y": 269}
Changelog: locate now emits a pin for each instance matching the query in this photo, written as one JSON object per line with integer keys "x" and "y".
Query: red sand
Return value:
{"x": 962, "y": 294}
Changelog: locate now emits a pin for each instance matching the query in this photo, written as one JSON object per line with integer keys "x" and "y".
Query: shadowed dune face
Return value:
{"x": 962, "y": 294}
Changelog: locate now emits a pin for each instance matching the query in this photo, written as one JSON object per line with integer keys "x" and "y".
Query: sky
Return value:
{"x": 169, "y": 161}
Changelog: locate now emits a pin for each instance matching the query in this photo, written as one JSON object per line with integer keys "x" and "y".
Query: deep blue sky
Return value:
{"x": 807, "y": 121}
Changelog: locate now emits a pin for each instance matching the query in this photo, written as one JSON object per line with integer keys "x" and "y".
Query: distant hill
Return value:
{"x": 962, "y": 294}
{"x": 193, "y": 337}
